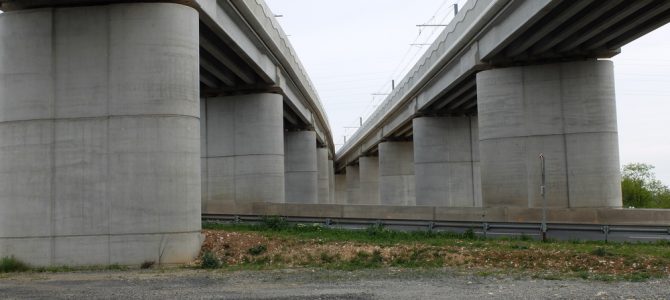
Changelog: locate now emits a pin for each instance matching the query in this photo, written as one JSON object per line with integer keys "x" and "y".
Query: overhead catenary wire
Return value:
{"x": 413, "y": 53}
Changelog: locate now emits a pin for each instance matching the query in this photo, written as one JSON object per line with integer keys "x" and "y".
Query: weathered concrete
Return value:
{"x": 566, "y": 111}
{"x": 243, "y": 157}
{"x": 605, "y": 216}
{"x": 369, "y": 176}
{"x": 340, "y": 188}
{"x": 300, "y": 163}
{"x": 323, "y": 175}
{"x": 99, "y": 135}
{"x": 446, "y": 161}
{"x": 353, "y": 185}
{"x": 331, "y": 182}
{"x": 396, "y": 173}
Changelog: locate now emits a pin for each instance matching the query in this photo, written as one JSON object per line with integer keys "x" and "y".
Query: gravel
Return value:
{"x": 314, "y": 284}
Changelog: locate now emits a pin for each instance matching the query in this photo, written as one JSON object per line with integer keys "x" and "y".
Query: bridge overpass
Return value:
{"x": 121, "y": 121}
{"x": 504, "y": 82}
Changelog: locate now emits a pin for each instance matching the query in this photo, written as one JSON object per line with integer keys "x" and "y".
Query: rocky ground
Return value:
{"x": 384, "y": 283}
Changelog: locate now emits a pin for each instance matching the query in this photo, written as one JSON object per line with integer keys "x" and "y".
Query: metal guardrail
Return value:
{"x": 557, "y": 231}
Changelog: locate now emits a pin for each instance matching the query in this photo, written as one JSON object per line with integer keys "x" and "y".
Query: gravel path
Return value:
{"x": 314, "y": 284}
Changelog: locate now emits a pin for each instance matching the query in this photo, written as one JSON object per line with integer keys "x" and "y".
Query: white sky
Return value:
{"x": 353, "y": 48}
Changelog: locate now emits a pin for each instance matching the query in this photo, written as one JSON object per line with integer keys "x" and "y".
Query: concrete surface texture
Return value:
{"x": 243, "y": 156}
{"x": 566, "y": 111}
{"x": 369, "y": 177}
{"x": 323, "y": 178}
{"x": 331, "y": 182}
{"x": 353, "y": 185}
{"x": 340, "y": 191}
{"x": 446, "y": 161}
{"x": 99, "y": 135}
{"x": 300, "y": 165}
{"x": 396, "y": 173}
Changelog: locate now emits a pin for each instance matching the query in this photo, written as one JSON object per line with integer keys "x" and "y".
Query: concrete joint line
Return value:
{"x": 95, "y": 235}
{"x": 541, "y": 135}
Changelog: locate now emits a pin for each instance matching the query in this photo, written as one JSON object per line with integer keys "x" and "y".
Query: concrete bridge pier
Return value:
{"x": 396, "y": 173}
{"x": 369, "y": 177}
{"x": 340, "y": 195}
{"x": 566, "y": 111}
{"x": 300, "y": 163}
{"x": 353, "y": 184}
{"x": 243, "y": 150}
{"x": 331, "y": 182}
{"x": 99, "y": 135}
{"x": 446, "y": 161}
{"x": 323, "y": 175}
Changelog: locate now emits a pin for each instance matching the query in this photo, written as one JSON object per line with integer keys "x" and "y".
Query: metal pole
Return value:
{"x": 543, "y": 226}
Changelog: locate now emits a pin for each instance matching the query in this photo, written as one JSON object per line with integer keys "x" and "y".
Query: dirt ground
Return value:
{"x": 386, "y": 283}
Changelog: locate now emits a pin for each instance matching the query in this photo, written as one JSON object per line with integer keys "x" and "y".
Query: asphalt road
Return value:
{"x": 314, "y": 284}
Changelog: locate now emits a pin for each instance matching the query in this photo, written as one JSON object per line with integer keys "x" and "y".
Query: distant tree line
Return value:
{"x": 641, "y": 189}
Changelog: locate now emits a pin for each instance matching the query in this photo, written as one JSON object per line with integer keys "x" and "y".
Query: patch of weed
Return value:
{"x": 210, "y": 261}
{"x": 257, "y": 250}
{"x": 12, "y": 264}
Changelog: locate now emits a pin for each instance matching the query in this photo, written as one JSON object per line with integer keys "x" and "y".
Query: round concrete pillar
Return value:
{"x": 566, "y": 111}
{"x": 243, "y": 161}
{"x": 99, "y": 135}
{"x": 353, "y": 185}
{"x": 331, "y": 182}
{"x": 300, "y": 164}
{"x": 396, "y": 173}
{"x": 323, "y": 178}
{"x": 446, "y": 161}
{"x": 369, "y": 177}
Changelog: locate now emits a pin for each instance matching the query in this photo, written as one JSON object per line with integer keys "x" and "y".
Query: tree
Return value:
{"x": 640, "y": 188}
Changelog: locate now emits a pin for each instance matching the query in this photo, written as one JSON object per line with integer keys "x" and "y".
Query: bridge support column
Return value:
{"x": 353, "y": 185}
{"x": 99, "y": 135}
{"x": 340, "y": 189}
{"x": 323, "y": 178}
{"x": 566, "y": 111}
{"x": 369, "y": 173}
{"x": 446, "y": 161}
{"x": 396, "y": 173}
{"x": 331, "y": 182}
{"x": 301, "y": 167}
{"x": 244, "y": 150}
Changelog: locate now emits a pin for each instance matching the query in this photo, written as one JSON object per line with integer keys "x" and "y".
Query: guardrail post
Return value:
{"x": 430, "y": 226}
{"x": 237, "y": 220}
{"x": 328, "y": 222}
{"x": 606, "y": 231}
{"x": 485, "y": 228}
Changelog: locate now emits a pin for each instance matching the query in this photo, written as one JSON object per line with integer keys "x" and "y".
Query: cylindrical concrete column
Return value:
{"x": 300, "y": 163}
{"x": 446, "y": 161}
{"x": 369, "y": 176}
{"x": 340, "y": 189}
{"x": 396, "y": 173}
{"x": 243, "y": 160}
{"x": 323, "y": 178}
{"x": 331, "y": 182}
{"x": 99, "y": 135}
{"x": 566, "y": 111}
{"x": 353, "y": 185}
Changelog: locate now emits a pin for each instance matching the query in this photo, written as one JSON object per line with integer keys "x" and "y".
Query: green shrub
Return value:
{"x": 257, "y": 250}
{"x": 210, "y": 261}
{"x": 274, "y": 222}
{"x": 11, "y": 264}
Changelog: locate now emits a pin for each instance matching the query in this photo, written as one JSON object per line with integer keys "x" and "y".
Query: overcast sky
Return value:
{"x": 353, "y": 48}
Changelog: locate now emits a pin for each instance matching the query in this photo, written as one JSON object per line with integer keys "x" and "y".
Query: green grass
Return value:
{"x": 379, "y": 236}
{"x": 11, "y": 264}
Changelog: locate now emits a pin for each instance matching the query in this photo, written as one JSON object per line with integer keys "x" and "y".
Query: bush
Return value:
{"x": 257, "y": 250}
{"x": 11, "y": 264}
{"x": 274, "y": 222}
{"x": 210, "y": 261}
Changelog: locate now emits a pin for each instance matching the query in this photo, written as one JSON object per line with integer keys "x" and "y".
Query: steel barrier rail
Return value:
{"x": 557, "y": 231}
